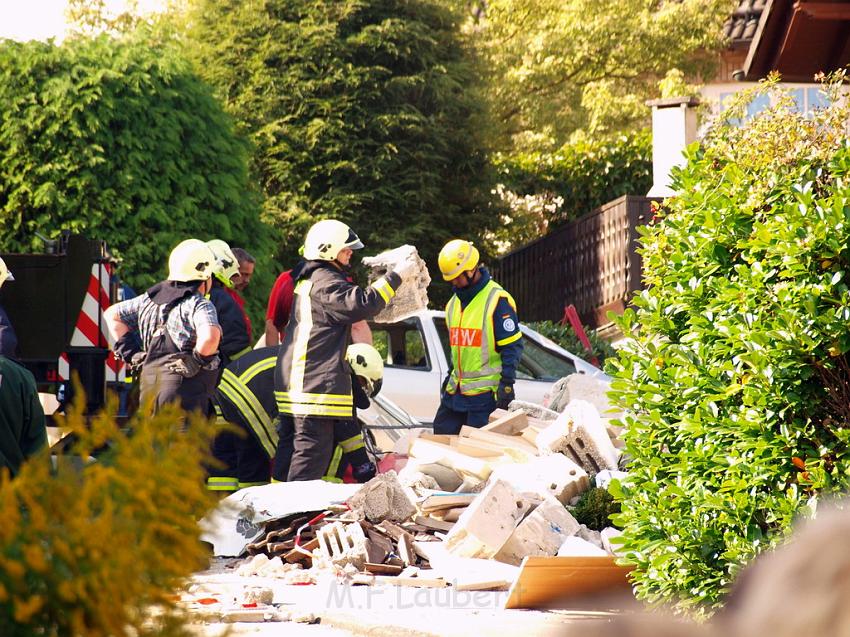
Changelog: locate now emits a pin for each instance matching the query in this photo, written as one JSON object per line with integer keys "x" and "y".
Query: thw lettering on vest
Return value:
{"x": 465, "y": 337}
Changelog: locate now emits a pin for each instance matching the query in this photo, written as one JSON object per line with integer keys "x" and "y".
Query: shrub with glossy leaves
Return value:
{"x": 737, "y": 376}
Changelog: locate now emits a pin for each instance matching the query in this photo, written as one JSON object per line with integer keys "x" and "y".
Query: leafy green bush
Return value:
{"x": 361, "y": 110}
{"x": 585, "y": 174}
{"x": 594, "y": 509}
{"x": 99, "y": 551}
{"x": 736, "y": 375}
{"x": 119, "y": 140}
{"x": 565, "y": 336}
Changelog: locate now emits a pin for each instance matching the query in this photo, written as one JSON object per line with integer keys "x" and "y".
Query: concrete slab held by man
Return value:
{"x": 485, "y": 341}
{"x": 313, "y": 387}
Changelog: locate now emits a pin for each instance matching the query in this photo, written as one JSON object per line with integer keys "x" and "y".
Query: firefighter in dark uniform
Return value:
{"x": 313, "y": 383}
{"x": 245, "y": 398}
{"x": 179, "y": 332}
{"x": 235, "y": 342}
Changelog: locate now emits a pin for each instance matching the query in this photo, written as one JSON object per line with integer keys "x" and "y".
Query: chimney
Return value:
{"x": 674, "y": 126}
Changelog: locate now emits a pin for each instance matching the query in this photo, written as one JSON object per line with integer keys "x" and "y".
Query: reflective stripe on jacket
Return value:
{"x": 245, "y": 395}
{"x": 313, "y": 378}
{"x": 477, "y": 365}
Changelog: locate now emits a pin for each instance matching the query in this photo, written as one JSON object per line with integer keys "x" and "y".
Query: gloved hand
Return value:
{"x": 126, "y": 347}
{"x": 364, "y": 472}
{"x": 188, "y": 364}
{"x": 135, "y": 363}
{"x": 505, "y": 394}
{"x": 405, "y": 268}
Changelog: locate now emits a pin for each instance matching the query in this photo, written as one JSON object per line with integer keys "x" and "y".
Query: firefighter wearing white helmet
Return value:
{"x": 313, "y": 388}
{"x": 235, "y": 336}
{"x": 8, "y": 337}
{"x": 485, "y": 341}
{"x": 172, "y": 331}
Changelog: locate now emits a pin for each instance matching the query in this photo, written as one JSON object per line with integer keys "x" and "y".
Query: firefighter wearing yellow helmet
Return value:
{"x": 313, "y": 388}
{"x": 484, "y": 338}
{"x": 172, "y": 331}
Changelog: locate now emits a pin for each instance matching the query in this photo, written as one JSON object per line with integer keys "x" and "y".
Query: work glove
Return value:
{"x": 135, "y": 363}
{"x": 505, "y": 394}
{"x": 364, "y": 472}
{"x": 405, "y": 268}
{"x": 188, "y": 364}
{"x": 126, "y": 347}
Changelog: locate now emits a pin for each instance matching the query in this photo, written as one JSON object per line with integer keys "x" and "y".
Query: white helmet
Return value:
{"x": 191, "y": 260}
{"x": 226, "y": 265}
{"x": 326, "y": 238}
{"x": 5, "y": 275}
{"x": 367, "y": 363}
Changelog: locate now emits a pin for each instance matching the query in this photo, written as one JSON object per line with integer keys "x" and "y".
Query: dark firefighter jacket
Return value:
{"x": 234, "y": 331}
{"x": 313, "y": 378}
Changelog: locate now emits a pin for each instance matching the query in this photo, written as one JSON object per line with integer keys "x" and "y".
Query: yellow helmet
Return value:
{"x": 326, "y": 238}
{"x": 191, "y": 260}
{"x": 456, "y": 257}
{"x": 5, "y": 275}
{"x": 367, "y": 363}
{"x": 226, "y": 264}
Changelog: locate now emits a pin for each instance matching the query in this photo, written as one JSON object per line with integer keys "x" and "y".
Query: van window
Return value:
{"x": 401, "y": 344}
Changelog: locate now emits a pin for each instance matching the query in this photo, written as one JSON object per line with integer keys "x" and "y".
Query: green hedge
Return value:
{"x": 586, "y": 174}
{"x": 118, "y": 139}
{"x": 737, "y": 370}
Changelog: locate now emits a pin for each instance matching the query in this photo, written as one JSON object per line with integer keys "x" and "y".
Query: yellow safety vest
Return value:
{"x": 477, "y": 366}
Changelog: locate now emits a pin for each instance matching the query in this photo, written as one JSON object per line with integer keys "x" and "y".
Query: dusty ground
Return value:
{"x": 341, "y": 609}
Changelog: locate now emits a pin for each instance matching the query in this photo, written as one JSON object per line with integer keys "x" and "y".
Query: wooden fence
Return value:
{"x": 590, "y": 263}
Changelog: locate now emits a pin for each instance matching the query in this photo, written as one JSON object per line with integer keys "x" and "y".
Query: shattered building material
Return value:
{"x": 412, "y": 296}
{"x": 541, "y": 533}
{"x": 555, "y": 475}
{"x": 608, "y": 534}
{"x": 343, "y": 544}
{"x": 447, "y": 479}
{"x": 581, "y": 387}
{"x": 434, "y": 452}
{"x": 579, "y": 434}
{"x": 488, "y": 522}
{"x": 574, "y": 546}
{"x": 512, "y": 423}
{"x": 500, "y": 441}
{"x": 533, "y": 410}
{"x": 383, "y": 498}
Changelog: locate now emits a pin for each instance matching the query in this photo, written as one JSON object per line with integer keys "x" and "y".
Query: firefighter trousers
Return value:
{"x": 305, "y": 447}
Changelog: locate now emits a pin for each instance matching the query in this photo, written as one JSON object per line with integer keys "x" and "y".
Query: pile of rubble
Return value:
{"x": 465, "y": 510}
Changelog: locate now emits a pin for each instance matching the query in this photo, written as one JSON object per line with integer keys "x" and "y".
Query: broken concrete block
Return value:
{"x": 554, "y": 475}
{"x": 581, "y": 387}
{"x": 486, "y": 524}
{"x": 576, "y": 547}
{"x": 343, "y": 544}
{"x": 417, "y": 481}
{"x": 579, "y": 434}
{"x": 257, "y": 595}
{"x": 607, "y": 534}
{"x": 383, "y": 498}
{"x": 412, "y": 296}
{"x": 533, "y": 409}
{"x": 251, "y": 567}
{"x": 541, "y": 533}
{"x": 589, "y": 535}
{"x": 448, "y": 479}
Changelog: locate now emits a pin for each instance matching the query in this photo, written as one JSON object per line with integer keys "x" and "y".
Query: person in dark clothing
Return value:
{"x": 245, "y": 398}
{"x": 22, "y": 427}
{"x": 367, "y": 371}
{"x": 485, "y": 341}
{"x": 313, "y": 384}
{"x": 179, "y": 332}
{"x": 235, "y": 336}
{"x": 8, "y": 337}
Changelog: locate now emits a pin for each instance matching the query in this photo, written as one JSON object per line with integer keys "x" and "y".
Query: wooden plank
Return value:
{"x": 514, "y": 442}
{"x": 474, "y": 449}
{"x": 434, "y": 523}
{"x": 510, "y": 424}
{"x": 437, "y": 453}
{"x": 443, "y": 439}
{"x": 448, "y": 515}
{"x": 530, "y": 434}
{"x": 447, "y": 501}
{"x": 543, "y": 581}
{"x": 382, "y": 569}
{"x": 496, "y": 414}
